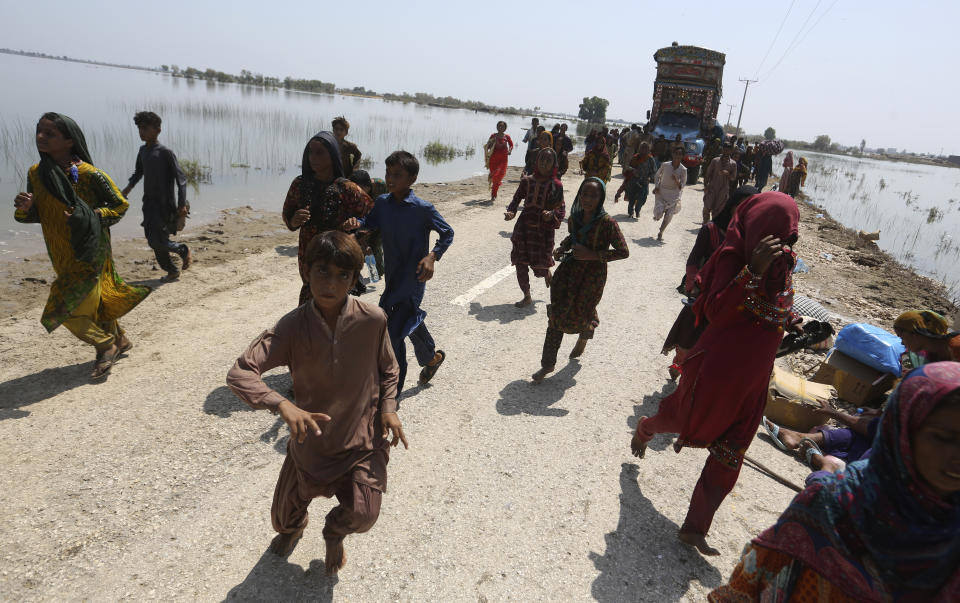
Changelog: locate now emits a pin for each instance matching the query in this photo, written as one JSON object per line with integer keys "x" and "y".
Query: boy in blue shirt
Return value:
{"x": 405, "y": 221}
{"x": 163, "y": 215}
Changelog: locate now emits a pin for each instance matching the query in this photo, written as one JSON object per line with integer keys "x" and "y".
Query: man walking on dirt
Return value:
{"x": 721, "y": 172}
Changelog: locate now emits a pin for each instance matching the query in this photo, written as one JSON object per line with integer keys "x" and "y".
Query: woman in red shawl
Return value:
{"x": 499, "y": 146}
{"x": 747, "y": 294}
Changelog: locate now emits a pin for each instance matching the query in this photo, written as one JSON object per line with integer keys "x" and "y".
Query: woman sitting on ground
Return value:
{"x": 828, "y": 449}
{"x": 884, "y": 529}
{"x": 927, "y": 337}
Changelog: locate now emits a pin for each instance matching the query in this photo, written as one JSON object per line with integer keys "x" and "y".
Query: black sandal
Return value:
{"x": 104, "y": 363}
{"x": 427, "y": 373}
{"x": 124, "y": 345}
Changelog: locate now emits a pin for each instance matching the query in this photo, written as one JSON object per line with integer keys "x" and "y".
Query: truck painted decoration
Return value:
{"x": 686, "y": 97}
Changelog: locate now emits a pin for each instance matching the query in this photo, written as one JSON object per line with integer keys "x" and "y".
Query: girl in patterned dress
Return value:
{"x": 543, "y": 212}
{"x": 577, "y": 286}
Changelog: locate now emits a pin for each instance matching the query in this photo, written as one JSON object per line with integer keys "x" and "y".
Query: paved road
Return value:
{"x": 157, "y": 484}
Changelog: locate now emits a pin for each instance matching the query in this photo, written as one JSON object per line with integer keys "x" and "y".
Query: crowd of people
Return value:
{"x": 879, "y": 528}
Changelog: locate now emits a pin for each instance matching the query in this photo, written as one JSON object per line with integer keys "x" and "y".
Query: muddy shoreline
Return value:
{"x": 851, "y": 277}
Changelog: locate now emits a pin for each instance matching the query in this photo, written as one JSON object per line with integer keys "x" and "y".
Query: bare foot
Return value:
{"x": 540, "y": 375}
{"x": 660, "y": 236}
{"x": 523, "y": 303}
{"x": 638, "y": 445}
{"x": 819, "y": 462}
{"x": 698, "y": 541}
{"x": 283, "y": 544}
{"x": 790, "y": 438}
{"x": 335, "y": 558}
{"x": 832, "y": 464}
{"x": 548, "y": 279}
{"x": 578, "y": 349}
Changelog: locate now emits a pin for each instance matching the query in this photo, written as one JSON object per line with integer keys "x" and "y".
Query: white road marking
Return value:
{"x": 465, "y": 299}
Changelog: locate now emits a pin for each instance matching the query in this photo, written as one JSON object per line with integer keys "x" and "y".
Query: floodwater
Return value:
{"x": 915, "y": 207}
{"x": 251, "y": 138}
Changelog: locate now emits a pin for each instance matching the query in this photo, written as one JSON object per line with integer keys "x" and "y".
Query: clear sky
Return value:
{"x": 883, "y": 71}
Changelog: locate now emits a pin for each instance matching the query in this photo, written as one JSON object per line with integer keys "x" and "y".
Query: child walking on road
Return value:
{"x": 638, "y": 172}
{"x": 667, "y": 189}
{"x": 579, "y": 280}
{"x": 345, "y": 380}
{"x": 405, "y": 221}
{"x": 163, "y": 215}
{"x": 542, "y": 214}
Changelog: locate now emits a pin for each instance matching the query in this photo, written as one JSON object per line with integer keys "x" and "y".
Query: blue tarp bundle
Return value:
{"x": 872, "y": 346}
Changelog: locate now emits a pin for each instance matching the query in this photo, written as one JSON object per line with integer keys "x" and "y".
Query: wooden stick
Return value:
{"x": 771, "y": 473}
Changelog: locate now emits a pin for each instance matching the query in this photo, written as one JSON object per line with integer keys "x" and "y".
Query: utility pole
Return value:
{"x": 746, "y": 85}
{"x": 730, "y": 112}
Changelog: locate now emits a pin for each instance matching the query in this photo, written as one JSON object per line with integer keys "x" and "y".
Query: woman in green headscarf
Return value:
{"x": 578, "y": 282}
{"x": 75, "y": 204}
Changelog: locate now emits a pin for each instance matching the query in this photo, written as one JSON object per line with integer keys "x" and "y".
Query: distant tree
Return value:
{"x": 770, "y": 133}
{"x": 863, "y": 144}
{"x": 594, "y": 109}
{"x": 822, "y": 143}
{"x": 164, "y": 68}
{"x": 175, "y": 69}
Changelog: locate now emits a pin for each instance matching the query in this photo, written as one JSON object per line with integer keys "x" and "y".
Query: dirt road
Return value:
{"x": 157, "y": 484}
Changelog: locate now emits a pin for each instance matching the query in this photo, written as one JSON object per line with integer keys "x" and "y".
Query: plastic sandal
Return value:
{"x": 773, "y": 430}
{"x": 812, "y": 450}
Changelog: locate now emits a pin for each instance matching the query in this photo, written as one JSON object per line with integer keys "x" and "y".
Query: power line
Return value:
{"x": 798, "y": 39}
{"x": 815, "y": 23}
{"x": 796, "y": 36}
{"x": 782, "y": 23}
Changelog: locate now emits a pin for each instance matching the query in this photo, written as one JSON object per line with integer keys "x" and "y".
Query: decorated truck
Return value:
{"x": 686, "y": 96}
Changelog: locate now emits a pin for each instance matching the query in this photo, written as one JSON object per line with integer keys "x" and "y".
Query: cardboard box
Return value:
{"x": 856, "y": 382}
{"x": 794, "y": 401}
{"x": 792, "y": 414}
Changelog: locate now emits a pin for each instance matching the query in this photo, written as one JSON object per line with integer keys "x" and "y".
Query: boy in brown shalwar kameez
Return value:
{"x": 344, "y": 377}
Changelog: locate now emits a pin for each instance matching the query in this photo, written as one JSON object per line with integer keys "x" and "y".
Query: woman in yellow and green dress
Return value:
{"x": 75, "y": 204}
{"x": 596, "y": 161}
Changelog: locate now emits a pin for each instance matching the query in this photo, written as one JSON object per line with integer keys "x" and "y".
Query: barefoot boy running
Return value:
{"x": 163, "y": 215}
{"x": 345, "y": 380}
